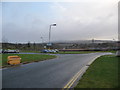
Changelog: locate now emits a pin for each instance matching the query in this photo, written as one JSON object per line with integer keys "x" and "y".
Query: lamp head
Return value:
{"x": 53, "y": 24}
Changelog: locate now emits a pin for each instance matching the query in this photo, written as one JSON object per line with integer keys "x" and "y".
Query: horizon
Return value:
{"x": 68, "y": 41}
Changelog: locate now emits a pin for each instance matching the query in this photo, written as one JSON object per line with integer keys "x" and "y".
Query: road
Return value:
{"x": 54, "y": 73}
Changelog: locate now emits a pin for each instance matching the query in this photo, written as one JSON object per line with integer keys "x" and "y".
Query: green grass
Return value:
{"x": 75, "y": 52}
{"x": 81, "y": 52}
{"x": 102, "y": 73}
{"x": 27, "y": 57}
{"x": 30, "y": 51}
{"x": 71, "y": 52}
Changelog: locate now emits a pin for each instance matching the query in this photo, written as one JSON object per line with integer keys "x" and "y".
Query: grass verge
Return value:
{"x": 70, "y": 52}
{"x": 27, "y": 58}
{"x": 30, "y": 51}
{"x": 102, "y": 73}
{"x": 81, "y": 52}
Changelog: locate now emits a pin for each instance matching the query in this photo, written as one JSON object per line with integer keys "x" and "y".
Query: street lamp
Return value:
{"x": 42, "y": 39}
{"x": 50, "y": 31}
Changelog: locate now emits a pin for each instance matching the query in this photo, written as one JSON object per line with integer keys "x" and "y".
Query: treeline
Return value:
{"x": 39, "y": 46}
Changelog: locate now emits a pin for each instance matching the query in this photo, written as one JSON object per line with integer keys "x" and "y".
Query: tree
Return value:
{"x": 28, "y": 45}
{"x": 4, "y": 42}
{"x": 34, "y": 45}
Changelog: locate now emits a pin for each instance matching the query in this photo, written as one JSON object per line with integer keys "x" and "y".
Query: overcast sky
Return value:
{"x": 84, "y": 20}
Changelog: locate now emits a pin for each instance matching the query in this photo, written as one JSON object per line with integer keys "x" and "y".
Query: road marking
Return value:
{"x": 70, "y": 80}
{"x": 75, "y": 77}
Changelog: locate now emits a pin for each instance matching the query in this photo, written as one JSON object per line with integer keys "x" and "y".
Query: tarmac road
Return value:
{"x": 54, "y": 73}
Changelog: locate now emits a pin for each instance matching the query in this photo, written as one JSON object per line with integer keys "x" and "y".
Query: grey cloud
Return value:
{"x": 74, "y": 22}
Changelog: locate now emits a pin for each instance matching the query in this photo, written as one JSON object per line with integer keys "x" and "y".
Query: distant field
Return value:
{"x": 103, "y": 73}
{"x": 27, "y": 57}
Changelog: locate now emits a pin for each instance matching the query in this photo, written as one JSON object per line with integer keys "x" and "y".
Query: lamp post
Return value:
{"x": 42, "y": 39}
{"x": 118, "y": 42}
{"x": 93, "y": 45}
{"x": 50, "y": 32}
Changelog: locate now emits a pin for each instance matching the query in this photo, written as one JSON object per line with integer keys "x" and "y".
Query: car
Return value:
{"x": 10, "y": 51}
{"x": 1, "y": 50}
{"x": 118, "y": 53}
{"x": 53, "y": 51}
{"x": 57, "y": 50}
{"x": 17, "y": 51}
{"x": 49, "y": 51}
{"x": 45, "y": 51}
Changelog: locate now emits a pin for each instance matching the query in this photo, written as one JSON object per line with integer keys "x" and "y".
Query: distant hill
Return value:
{"x": 84, "y": 41}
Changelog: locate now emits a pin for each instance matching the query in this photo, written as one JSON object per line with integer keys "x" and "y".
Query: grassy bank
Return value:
{"x": 70, "y": 52}
{"x": 27, "y": 58}
{"x": 30, "y": 51}
{"x": 102, "y": 73}
{"x": 83, "y": 52}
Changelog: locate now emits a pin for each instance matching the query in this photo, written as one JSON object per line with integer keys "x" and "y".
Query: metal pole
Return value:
{"x": 49, "y": 33}
{"x": 42, "y": 39}
{"x": 118, "y": 43}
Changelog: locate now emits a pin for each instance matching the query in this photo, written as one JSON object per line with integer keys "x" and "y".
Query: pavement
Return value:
{"x": 54, "y": 73}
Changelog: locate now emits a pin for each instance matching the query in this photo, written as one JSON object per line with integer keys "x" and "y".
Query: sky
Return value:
{"x": 83, "y": 20}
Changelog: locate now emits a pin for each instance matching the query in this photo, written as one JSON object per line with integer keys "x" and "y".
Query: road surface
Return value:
{"x": 54, "y": 73}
